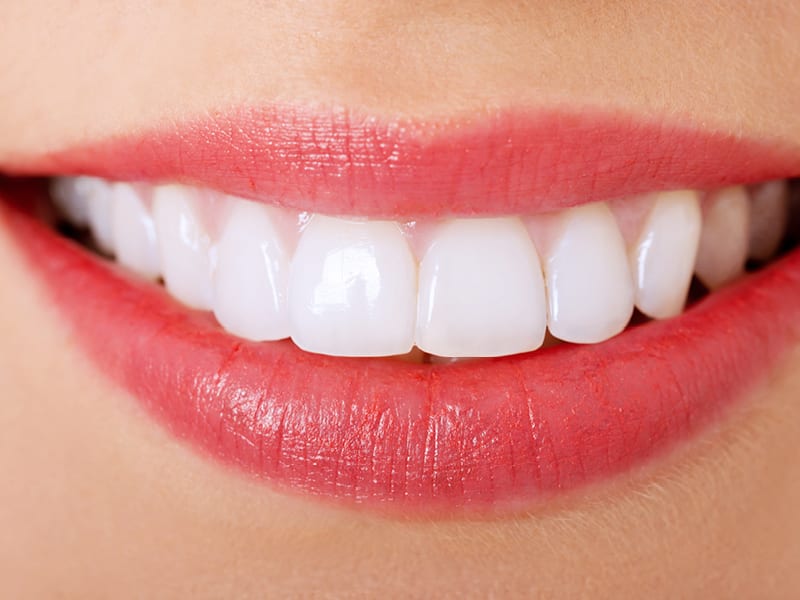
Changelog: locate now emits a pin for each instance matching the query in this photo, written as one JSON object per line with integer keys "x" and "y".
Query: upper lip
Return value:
{"x": 342, "y": 162}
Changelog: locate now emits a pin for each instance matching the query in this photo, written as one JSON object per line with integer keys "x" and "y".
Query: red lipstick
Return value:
{"x": 486, "y": 434}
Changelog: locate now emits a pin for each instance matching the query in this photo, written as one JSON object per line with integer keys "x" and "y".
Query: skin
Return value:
{"x": 97, "y": 500}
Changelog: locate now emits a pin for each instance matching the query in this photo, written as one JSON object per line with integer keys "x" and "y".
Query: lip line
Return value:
{"x": 341, "y": 162}
{"x": 487, "y": 435}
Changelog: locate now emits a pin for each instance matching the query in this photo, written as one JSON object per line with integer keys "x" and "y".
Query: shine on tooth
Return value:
{"x": 135, "y": 239}
{"x": 769, "y": 218}
{"x": 725, "y": 238}
{"x": 481, "y": 290}
{"x": 664, "y": 255}
{"x": 251, "y": 275}
{"x": 589, "y": 286}
{"x": 184, "y": 245}
{"x": 353, "y": 289}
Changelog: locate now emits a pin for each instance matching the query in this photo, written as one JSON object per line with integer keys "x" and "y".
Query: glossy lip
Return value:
{"x": 486, "y": 435}
{"x": 505, "y": 162}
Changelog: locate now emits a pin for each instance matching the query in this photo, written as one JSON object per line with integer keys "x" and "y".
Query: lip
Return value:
{"x": 485, "y": 435}
{"x": 505, "y": 162}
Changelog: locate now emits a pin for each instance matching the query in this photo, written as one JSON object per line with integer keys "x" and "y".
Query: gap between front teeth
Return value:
{"x": 457, "y": 288}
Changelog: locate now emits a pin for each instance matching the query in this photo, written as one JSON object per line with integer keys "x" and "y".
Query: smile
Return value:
{"x": 479, "y": 314}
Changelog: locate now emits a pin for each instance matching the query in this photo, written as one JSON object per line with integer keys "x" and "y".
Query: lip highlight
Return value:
{"x": 506, "y": 162}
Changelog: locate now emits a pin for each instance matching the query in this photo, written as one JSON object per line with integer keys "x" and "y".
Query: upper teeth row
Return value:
{"x": 457, "y": 288}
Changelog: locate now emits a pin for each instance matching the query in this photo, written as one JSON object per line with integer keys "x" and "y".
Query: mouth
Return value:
{"x": 456, "y": 315}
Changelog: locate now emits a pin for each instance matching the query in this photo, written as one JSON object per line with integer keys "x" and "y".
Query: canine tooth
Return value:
{"x": 251, "y": 275}
{"x": 353, "y": 289}
{"x": 184, "y": 246}
{"x": 135, "y": 240}
{"x": 663, "y": 258}
{"x": 769, "y": 218}
{"x": 589, "y": 287}
{"x": 70, "y": 196}
{"x": 725, "y": 237}
{"x": 481, "y": 290}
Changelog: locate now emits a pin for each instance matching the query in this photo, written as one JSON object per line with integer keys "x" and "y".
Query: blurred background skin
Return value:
{"x": 96, "y": 500}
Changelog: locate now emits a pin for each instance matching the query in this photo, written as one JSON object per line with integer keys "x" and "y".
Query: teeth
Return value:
{"x": 724, "y": 241}
{"x": 769, "y": 218}
{"x": 353, "y": 289}
{"x": 251, "y": 276}
{"x": 70, "y": 195}
{"x": 98, "y": 212}
{"x": 184, "y": 245}
{"x": 481, "y": 290}
{"x": 590, "y": 292}
{"x": 134, "y": 233}
{"x": 663, "y": 258}
{"x": 349, "y": 287}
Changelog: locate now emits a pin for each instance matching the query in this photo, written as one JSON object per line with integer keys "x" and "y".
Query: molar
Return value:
{"x": 70, "y": 196}
{"x": 769, "y": 218}
{"x": 725, "y": 238}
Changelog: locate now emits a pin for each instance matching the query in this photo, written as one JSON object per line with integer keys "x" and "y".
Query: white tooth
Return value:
{"x": 769, "y": 217}
{"x": 725, "y": 237}
{"x": 70, "y": 195}
{"x": 353, "y": 289}
{"x": 663, "y": 258}
{"x": 251, "y": 275}
{"x": 135, "y": 238}
{"x": 481, "y": 290}
{"x": 184, "y": 246}
{"x": 99, "y": 206}
{"x": 589, "y": 287}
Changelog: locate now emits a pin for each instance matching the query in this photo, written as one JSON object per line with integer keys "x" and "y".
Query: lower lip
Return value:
{"x": 483, "y": 435}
